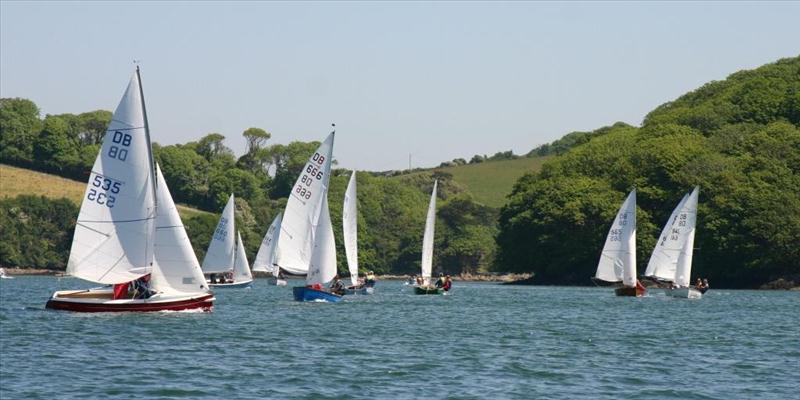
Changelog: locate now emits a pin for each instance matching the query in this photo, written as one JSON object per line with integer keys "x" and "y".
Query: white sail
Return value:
{"x": 265, "y": 258}
{"x": 322, "y": 268}
{"x": 427, "y": 239}
{"x": 302, "y": 211}
{"x": 220, "y": 254}
{"x": 687, "y": 221}
{"x": 176, "y": 267}
{"x": 664, "y": 259}
{"x": 114, "y": 233}
{"x": 241, "y": 268}
{"x": 618, "y": 259}
{"x": 350, "y": 228}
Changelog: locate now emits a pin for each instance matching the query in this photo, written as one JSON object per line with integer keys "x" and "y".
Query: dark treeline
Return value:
{"x": 737, "y": 139}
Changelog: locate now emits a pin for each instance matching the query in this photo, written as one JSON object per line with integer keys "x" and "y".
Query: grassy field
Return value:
{"x": 490, "y": 182}
{"x": 16, "y": 181}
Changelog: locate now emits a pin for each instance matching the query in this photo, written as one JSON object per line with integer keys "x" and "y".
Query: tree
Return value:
{"x": 19, "y": 126}
{"x": 212, "y": 148}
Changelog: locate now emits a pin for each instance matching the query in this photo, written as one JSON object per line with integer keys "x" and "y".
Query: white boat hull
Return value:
{"x": 234, "y": 285}
{"x": 683, "y": 293}
{"x": 276, "y": 282}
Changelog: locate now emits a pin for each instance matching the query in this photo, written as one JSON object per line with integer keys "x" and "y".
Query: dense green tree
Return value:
{"x": 19, "y": 126}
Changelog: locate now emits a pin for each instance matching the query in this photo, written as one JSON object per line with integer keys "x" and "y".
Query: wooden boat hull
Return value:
{"x": 102, "y": 301}
{"x": 683, "y": 293}
{"x": 428, "y": 290}
{"x": 302, "y": 293}
{"x": 234, "y": 285}
{"x": 630, "y": 291}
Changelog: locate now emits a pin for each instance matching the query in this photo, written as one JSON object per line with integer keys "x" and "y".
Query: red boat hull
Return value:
{"x": 630, "y": 291}
{"x": 206, "y": 303}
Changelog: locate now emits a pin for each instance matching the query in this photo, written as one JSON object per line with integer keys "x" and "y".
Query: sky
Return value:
{"x": 433, "y": 80}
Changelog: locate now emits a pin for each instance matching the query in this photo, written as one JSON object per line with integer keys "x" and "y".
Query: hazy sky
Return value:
{"x": 437, "y": 80}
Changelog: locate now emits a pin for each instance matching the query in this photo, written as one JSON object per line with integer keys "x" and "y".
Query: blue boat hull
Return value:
{"x": 302, "y": 293}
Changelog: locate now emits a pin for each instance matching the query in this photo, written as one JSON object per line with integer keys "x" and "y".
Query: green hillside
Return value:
{"x": 19, "y": 181}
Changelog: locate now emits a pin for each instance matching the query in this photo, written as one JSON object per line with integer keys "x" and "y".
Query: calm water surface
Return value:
{"x": 483, "y": 341}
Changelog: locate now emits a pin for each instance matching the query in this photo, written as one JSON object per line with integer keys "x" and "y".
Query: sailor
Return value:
{"x": 369, "y": 279}
{"x": 337, "y": 286}
{"x": 447, "y": 284}
{"x": 440, "y": 281}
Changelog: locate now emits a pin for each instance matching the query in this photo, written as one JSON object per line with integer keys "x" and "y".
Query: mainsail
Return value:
{"x": 618, "y": 259}
{"x": 350, "y": 228}
{"x": 687, "y": 220}
{"x": 221, "y": 250}
{"x": 176, "y": 267}
{"x": 427, "y": 239}
{"x": 241, "y": 268}
{"x": 115, "y": 230}
{"x": 322, "y": 267}
{"x": 302, "y": 212}
{"x": 265, "y": 258}
{"x": 664, "y": 259}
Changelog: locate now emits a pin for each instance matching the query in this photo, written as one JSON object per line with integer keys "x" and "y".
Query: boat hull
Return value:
{"x": 428, "y": 290}
{"x": 276, "y": 282}
{"x": 360, "y": 291}
{"x": 630, "y": 291}
{"x": 102, "y": 301}
{"x": 302, "y": 293}
{"x": 683, "y": 293}
{"x": 234, "y": 285}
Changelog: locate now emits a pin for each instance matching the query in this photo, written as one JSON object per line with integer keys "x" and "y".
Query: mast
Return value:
{"x": 149, "y": 143}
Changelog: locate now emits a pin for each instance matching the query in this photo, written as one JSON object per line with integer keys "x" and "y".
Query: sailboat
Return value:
{"x": 306, "y": 244}
{"x": 618, "y": 259}
{"x": 225, "y": 261}
{"x": 350, "y": 234}
{"x": 265, "y": 258}
{"x": 128, "y": 229}
{"x": 671, "y": 261}
{"x": 427, "y": 249}
{"x": 3, "y": 274}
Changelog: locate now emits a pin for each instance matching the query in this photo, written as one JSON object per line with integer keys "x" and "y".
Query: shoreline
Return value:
{"x": 504, "y": 279}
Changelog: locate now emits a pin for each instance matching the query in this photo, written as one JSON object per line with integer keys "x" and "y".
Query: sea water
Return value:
{"x": 482, "y": 341}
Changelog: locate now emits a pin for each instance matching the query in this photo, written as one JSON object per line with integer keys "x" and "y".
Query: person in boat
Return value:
{"x": 337, "y": 287}
{"x": 369, "y": 279}
{"x": 447, "y": 284}
{"x": 420, "y": 281}
{"x": 141, "y": 288}
{"x": 212, "y": 278}
{"x": 440, "y": 281}
{"x": 698, "y": 283}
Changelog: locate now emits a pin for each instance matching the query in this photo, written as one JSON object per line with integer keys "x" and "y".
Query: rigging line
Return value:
{"x": 169, "y": 227}
{"x": 112, "y": 266}
{"x": 123, "y": 129}
{"x": 92, "y": 229}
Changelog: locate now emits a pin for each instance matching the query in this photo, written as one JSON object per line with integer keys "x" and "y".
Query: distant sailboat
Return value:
{"x": 671, "y": 261}
{"x": 224, "y": 259}
{"x": 4, "y": 275}
{"x": 128, "y": 233}
{"x": 350, "y": 234}
{"x": 265, "y": 259}
{"x": 427, "y": 248}
{"x": 306, "y": 242}
{"x": 618, "y": 259}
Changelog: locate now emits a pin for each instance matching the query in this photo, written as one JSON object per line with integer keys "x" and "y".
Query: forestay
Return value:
{"x": 302, "y": 211}
{"x": 350, "y": 228}
{"x": 176, "y": 267}
{"x": 220, "y": 254}
{"x": 687, "y": 220}
{"x": 618, "y": 259}
{"x": 265, "y": 258}
{"x": 322, "y": 268}
{"x": 427, "y": 239}
{"x": 664, "y": 259}
{"x": 114, "y": 233}
{"x": 241, "y": 268}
